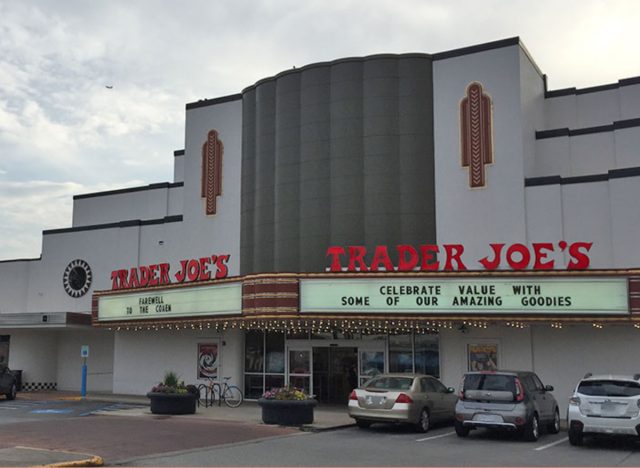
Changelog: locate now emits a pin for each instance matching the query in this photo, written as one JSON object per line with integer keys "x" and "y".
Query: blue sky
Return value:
{"x": 62, "y": 132}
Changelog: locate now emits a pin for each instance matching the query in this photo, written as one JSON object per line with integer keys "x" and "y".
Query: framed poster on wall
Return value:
{"x": 482, "y": 356}
{"x": 208, "y": 360}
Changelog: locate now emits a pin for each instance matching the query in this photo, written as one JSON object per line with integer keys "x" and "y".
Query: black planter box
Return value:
{"x": 172, "y": 403}
{"x": 287, "y": 412}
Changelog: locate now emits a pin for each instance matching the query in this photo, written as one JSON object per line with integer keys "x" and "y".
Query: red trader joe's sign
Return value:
{"x": 426, "y": 257}
{"x": 200, "y": 269}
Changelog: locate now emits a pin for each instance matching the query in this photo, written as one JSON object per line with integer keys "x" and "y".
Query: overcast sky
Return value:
{"x": 62, "y": 132}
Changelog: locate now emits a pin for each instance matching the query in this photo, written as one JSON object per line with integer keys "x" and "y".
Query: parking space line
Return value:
{"x": 435, "y": 437}
{"x": 552, "y": 444}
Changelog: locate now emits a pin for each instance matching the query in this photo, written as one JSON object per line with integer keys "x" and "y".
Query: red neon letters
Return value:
{"x": 202, "y": 269}
{"x": 424, "y": 257}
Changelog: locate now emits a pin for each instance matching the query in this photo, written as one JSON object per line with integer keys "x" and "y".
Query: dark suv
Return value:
{"x": 511, "y": 400}
{"x": 7, "y": 382}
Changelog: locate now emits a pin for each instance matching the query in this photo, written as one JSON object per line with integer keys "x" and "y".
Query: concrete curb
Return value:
{"x": 93, "y": 461}
{"x": 325, "y": 429}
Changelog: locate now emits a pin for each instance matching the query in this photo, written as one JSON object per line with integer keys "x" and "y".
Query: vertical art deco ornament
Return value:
{"x": 211, "y": 171}
{"x": 476, "y": 133}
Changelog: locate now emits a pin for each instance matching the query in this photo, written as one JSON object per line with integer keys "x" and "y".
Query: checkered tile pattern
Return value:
{"x": 38, "y": 386}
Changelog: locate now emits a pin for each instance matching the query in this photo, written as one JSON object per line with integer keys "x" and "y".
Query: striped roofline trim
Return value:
{"x": 560, "y": 132}
{"x": 119, "y": 224}
{"x": 554, "y": 180}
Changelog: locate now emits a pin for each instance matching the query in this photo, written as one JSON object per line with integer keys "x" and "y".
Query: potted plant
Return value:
{"x": 287, "y": 406}
{"x": 172, "y": 396}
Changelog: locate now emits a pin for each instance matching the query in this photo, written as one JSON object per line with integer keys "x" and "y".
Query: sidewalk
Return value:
{"x": 326, "y": 417}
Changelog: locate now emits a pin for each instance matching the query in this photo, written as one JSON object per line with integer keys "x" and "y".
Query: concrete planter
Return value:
{"x": 172, "y": 403}
{"x": 287, "y": 412}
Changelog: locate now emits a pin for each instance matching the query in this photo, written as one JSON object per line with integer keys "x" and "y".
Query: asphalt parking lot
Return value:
{"x": 109, "y": 430}
{"x": 399, "y": 446}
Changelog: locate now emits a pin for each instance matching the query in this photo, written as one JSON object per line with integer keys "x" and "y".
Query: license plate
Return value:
{"x": 491, "y": 418}
{"x": 376, "y": 400}
{"x": 607, "y": 407}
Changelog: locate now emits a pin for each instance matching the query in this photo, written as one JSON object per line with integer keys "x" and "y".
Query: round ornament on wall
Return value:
{"x": 77, "y": 278}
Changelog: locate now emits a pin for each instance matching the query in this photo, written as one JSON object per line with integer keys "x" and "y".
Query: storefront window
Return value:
{"x": 253, "y": 351}
{"x": 371, "y": 364}
{"x": 427, "y": 355}
{"x": 253, "y": 386}
{"x": 299, "y": 362}
{"x": 273, "y": 381}
{"x": 264, "y": 362}
{"x": 275, "y": 353}
{"x": 301, "y": 382}
{"x": 300, "y": 369}
{"x": 400, "y": 353}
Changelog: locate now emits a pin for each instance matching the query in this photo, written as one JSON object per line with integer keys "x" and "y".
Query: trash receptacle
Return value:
{"x": 18, "y": 375}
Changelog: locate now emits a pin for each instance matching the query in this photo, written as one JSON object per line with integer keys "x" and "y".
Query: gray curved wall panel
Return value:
{"x": 337, "y": 153}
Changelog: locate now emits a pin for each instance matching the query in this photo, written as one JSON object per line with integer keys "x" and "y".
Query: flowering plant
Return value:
{"x": 286, "y": 393}
{"x": 170, "y": 384}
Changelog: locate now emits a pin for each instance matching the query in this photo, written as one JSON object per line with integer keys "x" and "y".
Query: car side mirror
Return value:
{"x": 451, "y": 390}
{"x": 548, "y": 388}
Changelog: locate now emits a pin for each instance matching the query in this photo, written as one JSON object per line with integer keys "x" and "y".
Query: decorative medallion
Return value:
{"x": 476, "y": 133}
{"x": 212, "y": 171}
{"x": 77, "y": 278}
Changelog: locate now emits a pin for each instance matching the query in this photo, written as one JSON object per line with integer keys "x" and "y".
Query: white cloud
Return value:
{"x": 59, "y": 123}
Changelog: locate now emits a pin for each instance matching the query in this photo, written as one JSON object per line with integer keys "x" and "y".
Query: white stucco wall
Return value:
{"x": 99, "y": 362}
{"x": 552, "y": 157}
{"x": 627, "y": 144}
{"x": 587, "y": 218}
{"x": 495, "y": 212}
{"x": 560, "y": 357}
{"x": 560, "y": 112}
{"x": 219, "y": 233}
{"x": 151, "y": 203}
{"x": 625, "y": 221}
{"x": 532, "y": 104}
{"x": 593, "y": 108}
{"x": 14, "y": 285}
{"x": 142, "y": 357}
{"x": 33, "y": 351}
{"x": 564, "y": 356}
{"x": 178, "y": 168}
{"x": 629, "y": 101}
{"x": 591, "y": 154}
{"x": 598, "y": 108}
{"x": 103, "y": 249}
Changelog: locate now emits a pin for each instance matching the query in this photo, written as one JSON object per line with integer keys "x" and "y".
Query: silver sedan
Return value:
{"x": 415, "y": 399}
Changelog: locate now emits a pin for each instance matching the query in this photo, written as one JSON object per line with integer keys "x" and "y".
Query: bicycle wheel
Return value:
{"x": 215, "y": 392}
{"x": 202, "y": 395}
{"x": 232, "y": 396}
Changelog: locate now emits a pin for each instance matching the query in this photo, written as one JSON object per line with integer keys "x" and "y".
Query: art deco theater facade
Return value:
{"x": 415, "y": 212}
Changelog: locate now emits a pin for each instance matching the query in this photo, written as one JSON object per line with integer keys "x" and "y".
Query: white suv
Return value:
{"x": 604, "y": 404}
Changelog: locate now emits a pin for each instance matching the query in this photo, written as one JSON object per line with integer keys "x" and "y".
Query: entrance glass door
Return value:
{"x": 300, "y": 368}
{"x": 335, "y": 373}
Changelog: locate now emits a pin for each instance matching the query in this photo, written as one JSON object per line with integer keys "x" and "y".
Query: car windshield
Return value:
{"x": 492, "y": 382}
{"x": 390, "y": 383}
{"x": 610, "y": 388}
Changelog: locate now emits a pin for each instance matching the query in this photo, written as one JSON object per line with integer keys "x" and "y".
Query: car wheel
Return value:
{"x": 12, "y": 393}
{"x": 462, "y": 431}
{"x": 362, "y": 424}
{"x": 424, "y": 422}
{"x": 575, "y": 436}
{"x": 532, "y": 429}
{"x": 554, "y": 427}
